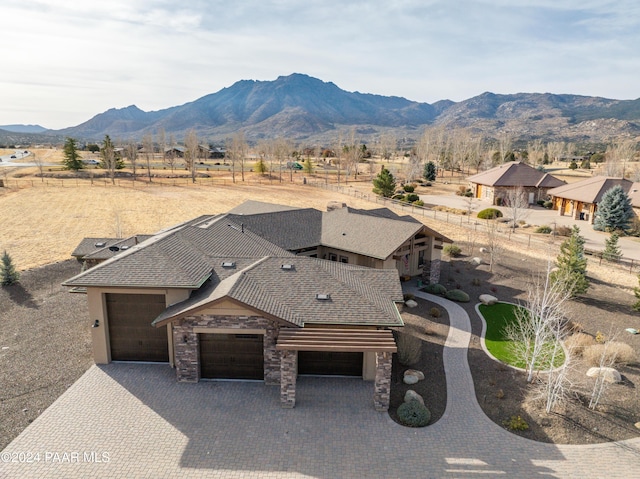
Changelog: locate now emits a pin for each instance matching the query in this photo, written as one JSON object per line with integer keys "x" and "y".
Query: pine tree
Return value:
{"x": 71, "y": 159}
{"x": 612, "y": 251}
{"x": 614, "y": 211}
{"x": 384, "y": 184}
{"x": 8, "y": 273}
{"x": 572, "y": 265}
{"x": 429, "y": 173}
{"x": 636, "y": 292}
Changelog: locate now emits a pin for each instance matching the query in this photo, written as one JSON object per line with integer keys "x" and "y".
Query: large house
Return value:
{"x": 263, "y": 292}
{"x": 498, "y": 184}
{"x": 580, "y": 199}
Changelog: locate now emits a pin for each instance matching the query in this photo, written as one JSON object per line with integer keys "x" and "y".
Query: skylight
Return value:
{"x": 100, "y": 244}
{"x": 323, "y": 297}
{"x": 228, "y": 264}
{"x": 287, "y": 267}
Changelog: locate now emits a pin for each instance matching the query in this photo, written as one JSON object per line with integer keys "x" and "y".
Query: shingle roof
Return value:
{"x": 515, "y": 173}
{"x": 591, "y": 189}
{"x": 91, "y": 245}
{"x": 358, "y": 295}
{"x": 251, "y": 207}
{"x": 112, "y": 247}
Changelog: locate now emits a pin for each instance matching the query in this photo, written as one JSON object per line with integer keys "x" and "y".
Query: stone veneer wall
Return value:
{"x": 288, "y": 375}
{"x": 382, "y": 384}
{"x": 431, "y": 272}
{"x": 187, "y": 345}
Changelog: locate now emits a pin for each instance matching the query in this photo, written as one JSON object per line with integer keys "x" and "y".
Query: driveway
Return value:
{"x": 135, "y": 420}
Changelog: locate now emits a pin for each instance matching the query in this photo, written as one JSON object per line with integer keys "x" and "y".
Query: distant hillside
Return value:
{"x": 23, "y": 128}
{"x": 305, "y": 108}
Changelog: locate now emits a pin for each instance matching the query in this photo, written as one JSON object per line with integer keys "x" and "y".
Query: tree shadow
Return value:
{"x": 19, "y": 295}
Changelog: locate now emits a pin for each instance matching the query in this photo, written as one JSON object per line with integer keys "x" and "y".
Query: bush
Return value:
{"x": 435, "y": 289}
{"x": 435, "y": 312}
{"x": 418, "y": 203}
{"x": 413, "y": 414}
{"x": 544, "y": 229}
{"x": 489, "y": 214}
{"x": 411, "y": 197}
{"x": 616, "y": 353}
{"x": 563, "y": 231}
{"x": 408, "y": 188}
{"x": 408, "y": 296}
{"x": 476, "y": 282}
{"x": 548, "y": 204}
{"x": 579, "y": 342}
{"x": 409, "y": 349}
{"x": 515, "y": 423}
{"x": 540, "y": 202}
{"x": 452, "y": 250}
{"x": 457, "y": 295}
{"x": 398, "y": 197}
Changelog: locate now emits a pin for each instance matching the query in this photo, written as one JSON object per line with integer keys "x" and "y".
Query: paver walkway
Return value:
{"x": 135, "y": 420}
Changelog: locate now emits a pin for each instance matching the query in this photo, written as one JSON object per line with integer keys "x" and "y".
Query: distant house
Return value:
{"x": 497, "y": 183}
{"x": 263, "y": 292}
{"x": 580, "y": 199}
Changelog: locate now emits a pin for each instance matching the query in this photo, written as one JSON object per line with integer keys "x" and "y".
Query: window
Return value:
{"x": 333, "y": 257}
{"x": 421, "y": 258}
{"x": 344, "y": 259}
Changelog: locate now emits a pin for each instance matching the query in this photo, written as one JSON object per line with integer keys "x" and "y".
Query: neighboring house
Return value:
{"x": 247, "y": 295}
{"x": 92, "y": 251}
{"x": 580, "y": 199}
{"x": 497, "y": 184}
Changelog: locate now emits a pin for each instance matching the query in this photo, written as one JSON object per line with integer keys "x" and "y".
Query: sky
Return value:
{"x": 67, "y": 60}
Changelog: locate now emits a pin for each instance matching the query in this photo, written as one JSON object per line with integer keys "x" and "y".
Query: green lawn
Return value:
{"x": 497, "y": 317}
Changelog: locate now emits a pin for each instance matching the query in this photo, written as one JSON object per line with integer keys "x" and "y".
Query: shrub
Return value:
{"x": 544, "y": 229}
{"x": 489, "y": 214}
{"x": 515, "y": 423}
{"x": 540, "y": 202}
{"x": 573, "y": 326}
{"x": 500, "y": 394}
{"x": 600, "y": 337}
{"x": 435, "y": 289}
{"x": 448, "y": 209}
{"x": 616, "y": 353}
{"x": 457, "y": 295}
{"x": 563, "y": 231}
{"x": 398, "y": 197}
{"x": 418, "y": 203}
{"x": 408, "y": 188}
{"x": 452, "y": 250}
{"x": 579, "y": 342}
{"x": 476, "y": 281}
{"x": 413, "y": 414}
{"x": 426, "y": 184}
{"x": 408, "y": 296}
{"x": 411, "y": 197}
{"x": 435, "y": 312}
{"x": 409, "y": 349}
{"x": 548, "y": 204}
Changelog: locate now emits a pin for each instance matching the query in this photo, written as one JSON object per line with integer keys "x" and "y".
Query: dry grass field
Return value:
{"x": 42, "y": 225}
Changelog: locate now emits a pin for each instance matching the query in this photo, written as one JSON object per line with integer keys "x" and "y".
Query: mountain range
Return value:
{"x": 304, "y": 108}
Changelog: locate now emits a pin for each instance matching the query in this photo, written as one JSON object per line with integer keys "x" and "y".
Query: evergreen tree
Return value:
{"x": 614, "y": 211}
{"x": 308, "y": 166}
{"x": 261, "y": 166}
{"x": 8, "y": 273}
{"x": 612, "y": 251}
{"x": 71, "y": 159}
{"x": 572, "y": 265}
{"x": 430, "y": 171}
{"x": 636, "y": 292}
{"x": 384, "y": 184}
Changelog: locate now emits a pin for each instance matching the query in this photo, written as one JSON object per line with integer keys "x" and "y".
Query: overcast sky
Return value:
{"x": 68, "y": 60}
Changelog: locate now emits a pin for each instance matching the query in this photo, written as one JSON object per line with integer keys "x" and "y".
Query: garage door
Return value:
{"x": 330, "y": 363}
{"x": 231, "y": 356}
{"x": 131, "y": 336}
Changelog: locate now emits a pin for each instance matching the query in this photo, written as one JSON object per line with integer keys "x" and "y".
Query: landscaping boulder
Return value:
{"x": 410, "y": 379}
{"x": 415, "y": 372}
{"x": 484, "y": 250}
{"x": 609, "y": 374}
{"x": 487, "y": 299}
{"x": 476, "y": 261}
{"x": 410, "y": 303}
{"x": 411, "y": 395}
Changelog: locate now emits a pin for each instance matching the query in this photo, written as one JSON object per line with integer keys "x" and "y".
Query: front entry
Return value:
{"x": 231, "y": 356}
{"x": 330, "y": 363}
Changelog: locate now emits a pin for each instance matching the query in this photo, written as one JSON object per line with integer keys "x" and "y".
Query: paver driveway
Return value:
{"x": 135, "y": 420}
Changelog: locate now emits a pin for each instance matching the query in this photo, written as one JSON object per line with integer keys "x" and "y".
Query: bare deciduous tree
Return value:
{"x": 162, "y": 144}
{"x": 618, "y": 154}
{"x": 170, "y": 157}
{"x": 147, "y": 144}
{"x": 191, "y": 153}
{"x": 495, "y": 243}
{"x": 109, "y": 158}
{"x": 505, "y": 140}
{"x": 536, "y": 152}
{"x": 387, "y": 146}
{"x": 555, "y": 150}
{"x": 131, "y": 152}
{"x": 518, "y": 203}
{"x": 39, "y": 161}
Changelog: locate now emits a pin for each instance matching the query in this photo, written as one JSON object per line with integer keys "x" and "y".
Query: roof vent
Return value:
{"x": 124, "y": 247}
{"x": 288, "y": 267}
{"x": 323, "y": 297}
{"x": 100, "y": 244}
{"x": 114, "y": 248}
{"x": 228, "y": 264}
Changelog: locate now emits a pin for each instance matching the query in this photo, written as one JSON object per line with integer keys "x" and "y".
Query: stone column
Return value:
{"x": 187, "y": 353}
{"x": 431, "y": 272}
{"x": 382, "y": 384}
{"x": 288, "y": 375}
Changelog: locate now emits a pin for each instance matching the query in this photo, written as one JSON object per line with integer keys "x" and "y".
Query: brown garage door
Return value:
{"x": 330, "y": 363}
{"x": 131, "y": 335}
{"x": 231, "y": 356}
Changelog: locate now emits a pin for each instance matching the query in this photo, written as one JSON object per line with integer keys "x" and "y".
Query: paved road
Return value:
{"x": 135, "y": 420}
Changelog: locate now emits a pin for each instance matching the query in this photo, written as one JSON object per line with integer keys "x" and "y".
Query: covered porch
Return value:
{"x": 379, "y": 342}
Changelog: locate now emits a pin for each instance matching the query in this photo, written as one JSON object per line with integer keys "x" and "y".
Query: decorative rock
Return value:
{"x": 411, "y": 395}
{"x": 487, "y": 299}
{"x": 484, "y": 250}
{"x": 476, "y": 261}
{"x": 410, "y": 379}
{"x": 410, "y": 303}
{"x": 416, "y": 373}
{"x": 637, "y": 425}
{"x": 608, "y": 374}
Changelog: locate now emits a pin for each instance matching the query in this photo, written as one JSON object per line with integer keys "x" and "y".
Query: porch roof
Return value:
{"x": 339, "y": 340}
